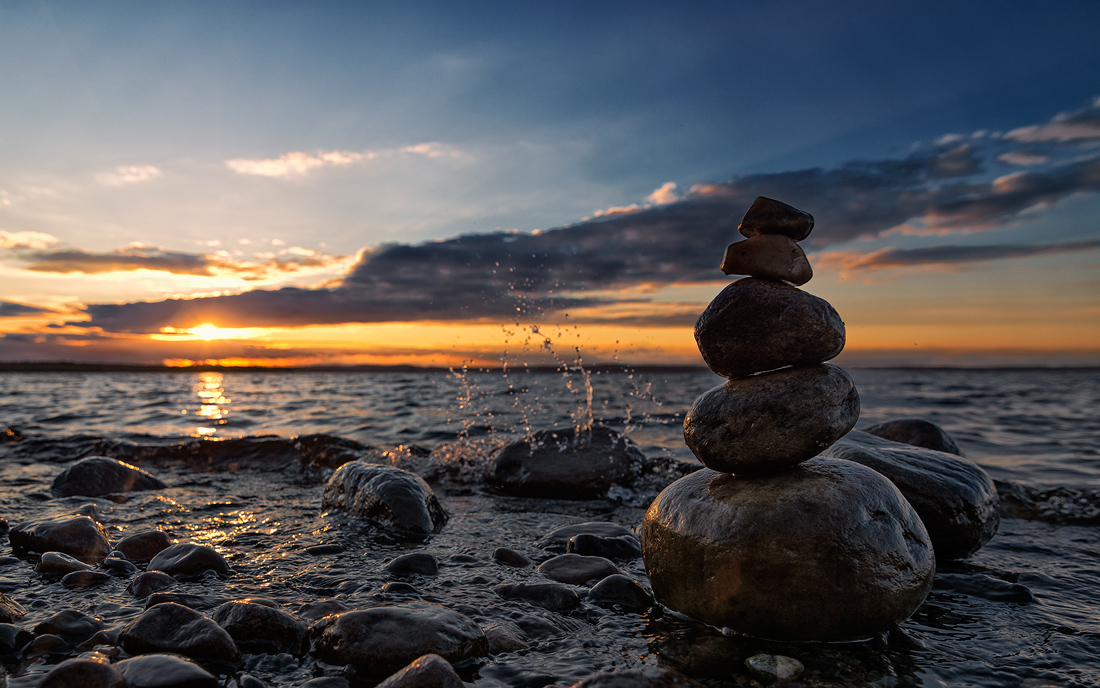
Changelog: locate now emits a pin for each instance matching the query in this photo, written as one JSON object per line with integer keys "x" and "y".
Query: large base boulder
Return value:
{"x": 773, "y": 420}
{"x": 827, "y": 550}
{"x": 398, "y": 502}
{"x": 955, "y": 498}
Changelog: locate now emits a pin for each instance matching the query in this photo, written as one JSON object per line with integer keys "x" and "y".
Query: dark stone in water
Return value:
{"x": 505, "y": 636}
{"x": 397, "y": 501}
{"x": 196, "y": 602}
{"x": 621, "y": 592}
{"x": 556, "y": 540}
{"x": 638, "y": 678}
{"x": 78, "y": 536}
{"x": 322, "y": 550}
{"x": 576, "y": 569}
{"x": 147, "y": 583}
{"x": 771, "y": 421}
{"x": 13, "y": 639}
{"x": 769, "y": 216}
{"x": 380, "y": 640}
{"x": 164, "y": 671}
{"x": 47, "y": 645}
{"x": 1062, "y": 505}
{"x": 78, "y": 580}
{"x": 58, "y": 564}
{"x": 827, "y": 550}
{"x": 510, "y": 557}
{"x": 327, "y": 451}
{"x": 83, "y": 672}
{"x": 416, "y": 563}
{"x": 174, "y": 628}
{"x": 72, "y": 625}
{"x": 565, "y": 464}
{"x": 118, "y": 566}
{"x": 755, "y": 325}
{"x": 142, "y": 547}
{"x": 316, "y": 610}
{"x": 188, "y": 561}
{"x": 400, "y": 588}
{"x": 987, "y": 587}
{"x": 621, "y": 547}
{"x": 99, "y": 476}
{"x": 429, "y": 671}
{"x": 553, "y": 596}
{"x": 955, "y": 498}
{"x": 915, "y": 431}
{"x": 257, "y": 628}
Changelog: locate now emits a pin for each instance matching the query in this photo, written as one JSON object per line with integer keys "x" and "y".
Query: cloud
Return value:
{"x": 298, "y": 164}
{"x": 32, "y": 240}
{"x": 664, "y": 195}
{"x": 11, "y": 309}
{"x": 888, "y": 258}
{"x": 1079, "y": 126}
{"x": 1024, "y": 158}
{"x": 132, "y": 174}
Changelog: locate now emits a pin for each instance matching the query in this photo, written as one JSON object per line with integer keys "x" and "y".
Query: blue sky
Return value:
{"x": 157, "y": 151}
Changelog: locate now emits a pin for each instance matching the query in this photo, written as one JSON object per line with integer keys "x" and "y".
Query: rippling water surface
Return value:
{"x": 1039, "y": 430}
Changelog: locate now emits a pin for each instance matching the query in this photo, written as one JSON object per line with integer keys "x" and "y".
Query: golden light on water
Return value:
{"x": 213, "y": 404}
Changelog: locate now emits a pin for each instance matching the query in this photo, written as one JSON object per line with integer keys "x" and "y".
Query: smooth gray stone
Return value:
{"x": 398, "y": 502}
{"x": 429, "y": 671}
{"x": 768, "y": 256}
{"x": 827, "y": 550}
{"x": 771, "y": 421}
{"x": 13, "y": 638}
{"x": 558, "y": 539}
{"x": 955, "y": 498}
{"x": 505, "y": 636}
{"x": 510, "y": 557}
{"x": 73, "y": 625}
{"x": 552, "y": 596}
{"x": 196, "y": 602}
{"x": 81, "y": 672}
{"x": 140, "y": 548}
{"x": 145, "y": 584}
{"x": 772, "y": 668}
{"x": 621, "y": 592}
{"x": 769, "y": 216}
{"x": 58, "y": 564}
{"x": 164, "y": 671}
{"x": 78, "y": 580}
{"x": 576, "y": 569}
{"x": 621, "y": 547}
{"x": 78, "y": 536}
{"x": 754, "y": 325}
{"x": 414, "y": 563}
{"x": 565, "y": 464}
{"x": 257, "y": 628}
{"x": 98, "y": 476}
{"x": 380, "y": 640}
{"x": 174, "y": 628}
{"x": 917, "y": 432}
{"x": 189, "y": 561}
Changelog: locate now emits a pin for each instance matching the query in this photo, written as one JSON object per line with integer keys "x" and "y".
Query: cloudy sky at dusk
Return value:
{"x": 438, "y": 183}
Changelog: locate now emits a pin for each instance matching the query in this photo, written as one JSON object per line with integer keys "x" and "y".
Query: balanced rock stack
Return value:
{"x": 770, "y": 539}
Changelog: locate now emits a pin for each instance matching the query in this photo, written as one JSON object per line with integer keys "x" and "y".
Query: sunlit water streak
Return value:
{"x": 1034, "y": 428}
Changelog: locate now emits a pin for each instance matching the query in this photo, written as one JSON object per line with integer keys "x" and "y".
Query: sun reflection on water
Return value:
{"x": 213, "y": 404}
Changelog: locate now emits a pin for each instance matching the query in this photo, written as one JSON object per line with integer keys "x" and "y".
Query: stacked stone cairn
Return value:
{"x": 770, "y": 539}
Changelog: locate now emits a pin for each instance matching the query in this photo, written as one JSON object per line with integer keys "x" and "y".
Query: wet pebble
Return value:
{"x": 257, "y": 628}
{"x": 83, "y": 672}
{"x": 380, "y": 640}
{"x": 505, "y": 636}
{"x": 577, "y": 569}
{"x": 165, "y": 671}
{"x": 78, "y": 580}
{"x": 246, "y": 681}
{"x": 772, "y": 668}
{"x": 917, "y": 432}
{"x": 149, "y": 582}
{"x": 189, "y": 561}
{"x": 622, "y": 592}
{"x": 10, "y": 610}
{"x": 174, "y": 628}
{"x": 71, "y": 624}
{"x": 322, "y": 550}
{"x": 98, "y": 476}
{"x": 78, "y": 536}
{"x": 400, "y": 588}
{"x": 429, "y": 671}
{"x": 553, "y": 596}
{"x": 142, "y": 547}
{"x": 198, "y": 602}
{"x": 397, "y": 501}
{"x": 48, "y": 645}
{"x": 13, "y": 638}
{"x": 620, "y": 547}
{"x": 510, "y": 557}
{"x": 118, "y": 566}
{"x": 416, "y": 563}
{"x": 58, "y": 564}
{"x": 557, "y": 539}
{"x": 311, "y": 611}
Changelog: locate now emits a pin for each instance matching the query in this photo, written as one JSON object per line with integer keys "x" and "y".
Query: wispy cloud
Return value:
{"x": 129, "y": 174}
{"x": 298, "y": 163}
{"x": 664, "y": 195}
{"x": 33, "y": 240}
{"x": 941, "y": 256}
{"x": 1079, "y": 126}
{"x": 1024, "y": 158}
{"x": 11, "y": 309}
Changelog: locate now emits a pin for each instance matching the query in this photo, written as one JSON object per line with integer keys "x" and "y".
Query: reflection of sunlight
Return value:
{"x": 213, "y": 405}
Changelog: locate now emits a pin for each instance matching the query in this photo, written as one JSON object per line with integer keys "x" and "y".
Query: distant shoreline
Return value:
{"x": 72, "y": 367}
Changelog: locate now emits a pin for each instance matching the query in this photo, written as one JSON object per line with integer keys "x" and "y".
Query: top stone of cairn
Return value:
{"x": 769, "y": 216}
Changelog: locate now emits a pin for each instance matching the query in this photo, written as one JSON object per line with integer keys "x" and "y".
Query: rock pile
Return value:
{"x": 768, "y": 540}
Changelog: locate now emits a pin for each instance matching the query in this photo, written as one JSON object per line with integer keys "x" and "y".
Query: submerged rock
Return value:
{"x": 397, "y": 501}
{"x": 429, "y": 671}
{"x": 174, "y": 628}
{"x": 58, "y": 564}
{"x": 576, "y": 569}
{"x": 510, "y": 557}
{"x": 257, "y": 628}
{"x": 827, "y": 550}
{"x": 414, "y": 563}
{"x": 772, "y": 668}
{"x": 565, "y": 464}
{"x": 73, "y": 625}
{"x": 140, "y": 548}
{"x": 955, "y": 498}
{"x": 770, "y": 421}
{"x": 98, "y": 476}
{"x": 380, "y": 640}
{"x": 164, "y": 671}
{"x": 85, "y": 673}
{"x": 13, "y": 639}
{"x": 78, "y": 536}
{"x": 915, "y": 431}
{"x": 78, "y": 580}
{"x": 552, "y": 596}
{"x": 621, "y": 592}
{"x": 769, "y": 216}
{"x": 187, "y": 561}
{"x": 755, "y": 325}
{"x": 621, "y": 547}
{"x": 145, "y": 584}
{"x": 768, "y": 256}
{"x": 558, "y": 539}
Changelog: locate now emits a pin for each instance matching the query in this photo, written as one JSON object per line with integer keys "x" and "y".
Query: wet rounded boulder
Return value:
{"x": 955, "y": 498}
{"x": 577, "y": 569}
{"x": 773, "y": 420}
{"x": 566, "y": 464}
{"x": 754, "y": 325}
{"x": 827, "y": 550}
{"x": 174, "y": 628}
{"x": 142, "y": 547}
{"x": 164, "y": 671}
{"x": 915, "y": 431}
{"x": 380, "y": 640}
{"x": 187, "y": 560}
{"x": 396, "y": 501}
{"x": 78, "y": 536}
{"x": 98, "y": 476}
{"x": 257, "y": 628}
{"x": 83, "y": 672}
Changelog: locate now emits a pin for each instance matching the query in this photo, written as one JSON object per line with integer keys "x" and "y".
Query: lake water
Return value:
{"x": 1033, "y": 430}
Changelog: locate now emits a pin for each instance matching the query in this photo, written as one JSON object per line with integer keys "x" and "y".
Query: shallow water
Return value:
{"x": 1038, "y": 430}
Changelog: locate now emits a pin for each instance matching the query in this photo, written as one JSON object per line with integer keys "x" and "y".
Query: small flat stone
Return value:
{"x": 188, "y": 561}
{"x": 557, "y": 539}
{"x": 78, "y": 580}
{"x": 620, "y": 547}
{"x": 145, "y": 584}
{"x": 917, "y": 432}
{"x": 98, "y": 476}
{"x": 177, "y": 629}
{"x": 768, "y": 256}
{"x": 510, "y": 557}
{"x": 429, "y": 671}
{"x": 415, "y": 563}
{"x": 85, "y": 673}
{"x": 398, "y": 502}
{"x": 119, "y": 566}
{"x": 552, "y": 596}
{"x": 755, "y": 325}
{"x": 140, "y": 548}
{"x": 48, "y": 645}
{"x": 78, "y": 536}
{"x": 771, "y": 421}
{"x": 621, "y": 592}
{"x": 772, "y": 668}
{"x": 505, "y": 636}
{"x": 769, "y": 216}
{"x": 164, "y": 671}
{"x": 58, "y": 564}
{"x": 576, "y": 569}
{"x": 258, "y": 628}
{"x": 322, "y": 550}
{"x": 73, "y": 625}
